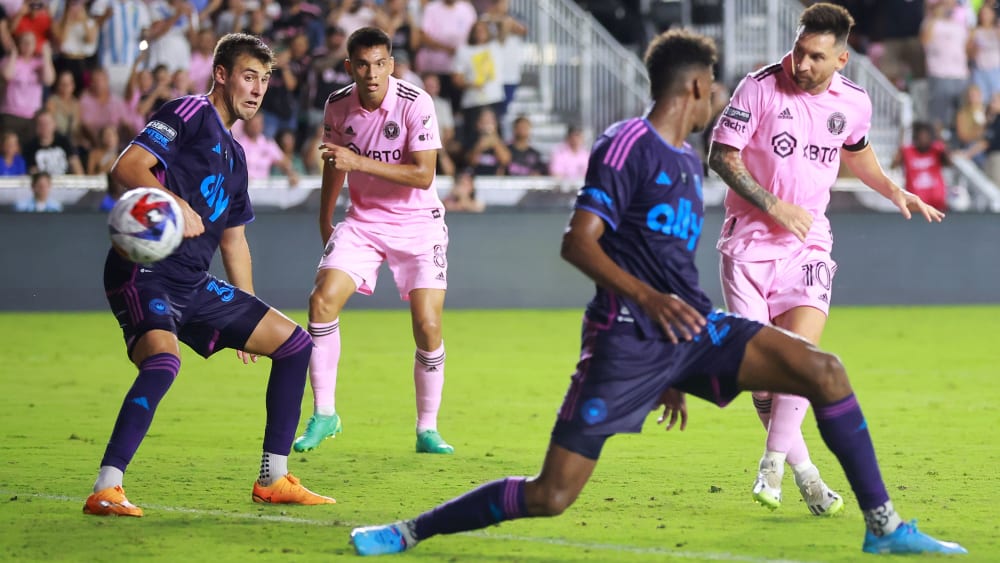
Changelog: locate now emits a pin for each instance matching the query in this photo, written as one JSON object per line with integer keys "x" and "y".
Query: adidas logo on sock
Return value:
{"x": 785, "y": 114}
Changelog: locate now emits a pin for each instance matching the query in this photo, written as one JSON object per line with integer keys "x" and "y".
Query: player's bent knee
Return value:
{"x": 548, "y": 500}
{"x": 827, "y": 377}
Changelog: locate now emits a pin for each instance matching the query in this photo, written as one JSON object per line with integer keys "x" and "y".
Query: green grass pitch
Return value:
{"x": 926, "y": 378}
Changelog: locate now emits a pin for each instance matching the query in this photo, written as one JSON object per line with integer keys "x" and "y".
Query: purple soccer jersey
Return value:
{"x": 201, "y": 162}
{"x": 650, "y": 195}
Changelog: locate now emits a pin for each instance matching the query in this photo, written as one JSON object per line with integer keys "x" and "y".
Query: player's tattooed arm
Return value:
{"x": 726, "y": 162}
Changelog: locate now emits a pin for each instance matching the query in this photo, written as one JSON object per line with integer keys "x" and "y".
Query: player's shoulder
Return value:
{"x": 341, "y": 95}
{"x": 856, "y": 95}
{"x": 853, "y": 87}
{"x": 621, "y": 140}
{"x": 408, "y": 92}
{"x": 767, "y": 75}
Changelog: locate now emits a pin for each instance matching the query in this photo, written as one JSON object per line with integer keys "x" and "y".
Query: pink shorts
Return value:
{"x": 763, "y": 290}
{"x": 417, "y": 255}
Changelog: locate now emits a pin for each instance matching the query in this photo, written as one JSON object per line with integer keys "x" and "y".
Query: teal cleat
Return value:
{"x": 379, "y": 540}
{"x": 430, "y": 442}
{"x": 907, "y": 539}
{"x": 319, "y": 428}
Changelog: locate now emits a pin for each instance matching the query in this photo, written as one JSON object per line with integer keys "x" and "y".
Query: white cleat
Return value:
{"x": 820, "y": 499}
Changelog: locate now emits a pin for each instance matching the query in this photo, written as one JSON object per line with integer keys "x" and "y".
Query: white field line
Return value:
{"x": 678, "y": 554}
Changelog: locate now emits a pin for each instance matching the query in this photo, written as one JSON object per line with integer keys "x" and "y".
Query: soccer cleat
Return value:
{"x": 288, "y": 490}
{"x": 319, "y": 428}
{"x": 820, "y": 499}
{"x": 767, "y": 486}
{"x": 431, "y": 442}
{"x": 907, "y": 539}
{"x": 111, "y": 502}
{"x": 379, "y": 540}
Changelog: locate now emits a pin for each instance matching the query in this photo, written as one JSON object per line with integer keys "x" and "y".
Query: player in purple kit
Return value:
{"x": 381, "y": 134}
{"x": 650, "y": 334}
{"x": 188, "y": 151}
{"x": 778, "y": 145}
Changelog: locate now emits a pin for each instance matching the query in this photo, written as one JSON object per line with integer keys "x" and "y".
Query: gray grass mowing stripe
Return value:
{"x": 479, "y": 534}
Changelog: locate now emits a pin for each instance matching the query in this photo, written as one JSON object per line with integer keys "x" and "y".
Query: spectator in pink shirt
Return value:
{"x": 445, "y": 26}
{"x": 100, "y": 107}
{"x": 569, "y": 158}
{"x": 200, "y": 71}
{"x": 263, "y": 152}
{"x": 25, "y": 73}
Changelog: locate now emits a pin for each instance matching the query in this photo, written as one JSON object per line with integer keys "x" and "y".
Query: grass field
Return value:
{"x": 926, "y": 378}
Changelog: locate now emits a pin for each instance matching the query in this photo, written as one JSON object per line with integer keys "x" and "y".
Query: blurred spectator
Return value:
{"x": 49, "y": 151}
{"x": 489, "y": 156}
{"x": 902, "y": 58}
{"x": 161, "y": 92}
{"x": 41, "y": 196}
{"x": 76, "y": 33}
{"x": 569, "y": 159}
{"x": 991, "y": 144}
{"x": 280, "y": 107}
{"x": 923, "y": 162}
{"x": 353, "y": 15}
{"x": 139, "y": 82}
{"x": 395, "y": 19}
{"x": 33, "y": 18}
{"x": 462, "y": 197}
{"x": 181, "y": 83}
{"x": 297, "y": 17}
{"x": 525, "y": 160}
{"x": 327, "y": 74}
{"x": 311, "y": 157}
{"x": 100, "y": 107}
{"x": 12, "y": 163}
{"x": 286, "y": 142}
{"x": 478, "y": 73}
{"x": 173, "y": 28}
{"x": 444, "y": 27}
{"x": 115, "y": 191}
{"x": 200, "y": 71}
{"x": 970, "y": 123}
{"x": 65, "y": 107}
{"x": 446, "y": 125}
{"x": 984, "y": 50}
{"x": 103, "y": 156}
{"x": 123, "y": 23}
{"x": 509, "y": 31}
{"x": 945, "y": 37}
{"x": 403, "y": 70}
{"x": 25, "y": 74}
{"x": 262, "y": 152}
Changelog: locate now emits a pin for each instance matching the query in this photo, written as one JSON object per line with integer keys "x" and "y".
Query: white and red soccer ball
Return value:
{"x": 146, "y": 225}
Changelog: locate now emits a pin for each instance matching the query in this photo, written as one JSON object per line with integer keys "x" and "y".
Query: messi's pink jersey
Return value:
{"x": 405, "y": 123}
{"x": 790, "y": 142}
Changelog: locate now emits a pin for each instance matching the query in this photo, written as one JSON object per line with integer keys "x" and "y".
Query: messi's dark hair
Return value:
{"x": 827, "y": 18}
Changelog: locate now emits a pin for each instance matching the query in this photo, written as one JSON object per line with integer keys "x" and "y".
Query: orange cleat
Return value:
{"x": 288, "y": 490}
{"x": 111, "y": 502}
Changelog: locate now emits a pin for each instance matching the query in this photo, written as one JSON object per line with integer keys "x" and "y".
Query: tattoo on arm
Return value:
{"x": 726, "y": 162}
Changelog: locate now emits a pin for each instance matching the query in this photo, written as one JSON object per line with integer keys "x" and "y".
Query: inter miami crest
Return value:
{"x": 391, "y": 130}
{"x": 836, "y": 123}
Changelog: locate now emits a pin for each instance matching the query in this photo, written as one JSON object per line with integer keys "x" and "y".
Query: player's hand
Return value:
{"x": 674, "y": 406}
{"x": 193, "y": 226}
{"x": 793, "y": 218}
{"x": 909, "y": 202}
{"x": 678, "y": 320}
{"x": 247, "y": 357}
{"x": 340, "y": 158}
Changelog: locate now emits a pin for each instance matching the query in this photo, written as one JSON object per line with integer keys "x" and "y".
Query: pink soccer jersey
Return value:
{"x": 404, "y": 124}
{"x": 790, "y": 142}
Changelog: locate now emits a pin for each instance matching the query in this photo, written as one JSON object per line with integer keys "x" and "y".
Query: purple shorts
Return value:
{"x": 205, "y": 313}
{"x": 620, "y": 376}
{"x": 417, "y": 254}
{"x": 764, "y": 290}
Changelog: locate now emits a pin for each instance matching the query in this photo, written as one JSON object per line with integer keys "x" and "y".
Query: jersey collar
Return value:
{"x": 836, "y": 83}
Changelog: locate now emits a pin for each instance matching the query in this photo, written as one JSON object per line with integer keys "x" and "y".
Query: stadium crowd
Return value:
{"x": 81, "y": 77}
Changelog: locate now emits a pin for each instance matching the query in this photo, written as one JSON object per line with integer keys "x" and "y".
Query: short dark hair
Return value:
{"x": 366, "y": 38}
{"x": 827, "y": 18}
{"x": 922, "y": 127}
{"x": 671, "y": 53}
{"x": 232, "y": 46}
{"x": 36, "y": 176}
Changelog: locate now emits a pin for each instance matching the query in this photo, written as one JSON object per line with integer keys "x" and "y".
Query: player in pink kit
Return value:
{"x": 778, "y": 146}
{"x": 381, "y": 134}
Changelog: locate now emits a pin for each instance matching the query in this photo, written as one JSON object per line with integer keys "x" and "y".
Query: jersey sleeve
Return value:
{"x": 330, "y": 133}
{"x": 609, "y": 184}
{"x": 421, "y": 125}
{"x": 739, "y": 120}
{"x": 859, "y": 134}
{"x": 165, "y": 134}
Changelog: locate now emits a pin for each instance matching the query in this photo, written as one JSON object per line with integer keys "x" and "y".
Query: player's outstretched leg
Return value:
{"x": 325, "y": 422}
{"x": 285, "y": 387}
{"x": 156, "y": 374}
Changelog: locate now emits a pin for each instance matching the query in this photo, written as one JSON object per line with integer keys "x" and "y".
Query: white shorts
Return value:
{"x": 417, "y": 254}
{"x": 762, "y": 291}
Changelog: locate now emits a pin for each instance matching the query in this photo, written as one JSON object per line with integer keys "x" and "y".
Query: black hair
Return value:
{"x": 366, "y": 38}
{"x": 671, "y": 53}
{"x": 827, "y": 18}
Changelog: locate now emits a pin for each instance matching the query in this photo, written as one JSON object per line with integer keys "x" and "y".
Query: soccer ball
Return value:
{"x": 146, "y": 225}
